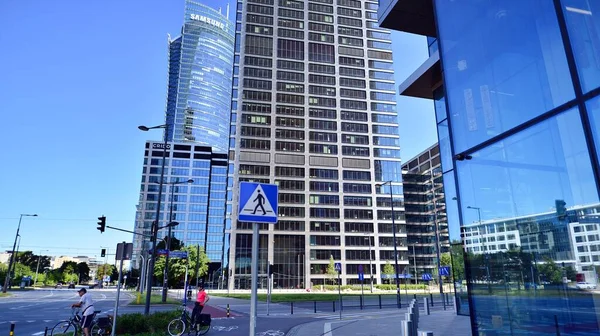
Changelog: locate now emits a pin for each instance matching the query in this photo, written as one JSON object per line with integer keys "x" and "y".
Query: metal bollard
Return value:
{"x": 410, "y": 317}
{"x": 292, "y": 307}
{"x": 228, "y": 310}
{"x": 379, "y": 301}
{"x": 12, "y": 329}
{"x": 415, "y": 296}
{"x": 426, "y": 305}
{"x": 431, "y": 298}
{"x": 46, "y": 331}
{"x": 315, "y": 307}
{"x": 426, "y": 333}
{"x": 406, "y": 327}
{"x": 333, "y": 306}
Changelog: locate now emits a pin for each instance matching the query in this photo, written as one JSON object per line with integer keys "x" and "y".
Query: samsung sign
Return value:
{"x": 202, "y": 18}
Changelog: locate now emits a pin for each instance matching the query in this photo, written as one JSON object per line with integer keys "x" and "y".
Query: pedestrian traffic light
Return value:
{"x": 101, "y": 224}
{"x": 270, "y": 269}
{"x": 561, "y": 210}
{"x": 103, "y": 253}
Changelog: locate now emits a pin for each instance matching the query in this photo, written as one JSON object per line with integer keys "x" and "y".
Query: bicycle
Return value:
{"x": 184, "y": 323}
{"x": 72, "y": 326}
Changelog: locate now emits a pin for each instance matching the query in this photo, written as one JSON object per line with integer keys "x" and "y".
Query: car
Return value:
{"x": 71, "y": 286}
{"x": 585, "y": 285}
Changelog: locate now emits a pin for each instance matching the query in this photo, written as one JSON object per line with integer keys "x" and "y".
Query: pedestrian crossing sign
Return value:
{"x": 258, "y": 202}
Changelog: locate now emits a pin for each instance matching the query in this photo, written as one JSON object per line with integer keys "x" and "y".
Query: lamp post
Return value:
{"x": 395, "y": 243}
{"x": 155, "y": 223}
{"x": 166, "y": 270}
{"x": 38, "y": 266}
{"x": 483, "y": 247}
{"x": 368, "y": 238}
{"x": 13, "y": 256}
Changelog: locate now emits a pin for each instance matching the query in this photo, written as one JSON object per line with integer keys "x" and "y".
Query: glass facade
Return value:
{"x": 520, "y": 142}
{"x": 199, "y": 207}
{"x": 200, "y": 78}
{"x": 517, "y": 117}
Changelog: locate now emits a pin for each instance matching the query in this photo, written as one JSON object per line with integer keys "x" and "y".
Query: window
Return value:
{"x": 379, "y": 55}
{"x": 256, "y": 131}
{"x": 260, "y": 73}
{"x": 355, "y": 139}
{"x": 385, "y": 141}
{"x": 379, "y": 35}
{"x": 289, "y": 122}
{"x": 320, "y": 17}
{"x": 344, "y": 21}
{"x": 257, "y": 84}
{"x": 264, "y": 2}
{"x": 358, "y": 214}
{"x": 387, "y": 215}
{"x": 352, "y": 61}
{"x": 292, "y": 76}
{"x": 355, "y": 151}
{"x": 324, "y": 199}
{"x": 256, "y": 95}
{"x": 321, "y": 53}
{"x": 321, "y": 101}
{"x": 321, "y": 136}
{"x": 322, "y": 124}
{"x": 290, "y": 65}
{"x": 290, "y": 185}
{"x": 323, "y": 149}
{"x": 351, "y": 51}
{"x": 384, "y": 118}
{"x": 320, "y": 8}
{"x": 349, "y": 12}
{"x": 381, "y": 86}
{"x": 349, "y": 3}
{"x": 290, "y": 98}
{"x": 285, "y": 211}
{"x": 254, "y": 29}
{"x": 324, "y": 186}
{"x": 254, "y": 144}
{"x": 322, "y": 90}
{"x": 245, "y": 169}
{"x": 320, "y": 79}
{"x": 358, "y": 201}
{"x": 354, "y": 116}
{"x": 352, "y": 72}
{"x": 325, "y": 240}
{"x": 320, "y": 27}
{"x": 251, "y": 8}
{"x": 321, "y": 37}
{"x": 329, "y": 174}
{"x": 350, "y": 31}
{"x": 386, "y": 153}
{"x": 324, "y": 213}
{"x": 258, "y": 61}
{"x": 291, "y": 4}
{"x": 359, "y": 241}
{"x": 289, "y": 134}
{"x": 290, "y": 110}
{"x": 289, "y": 146}
{"x": 291, "y": 13}
{"x": 358, "y": 227}
{"x": 256, "y": 107}
{"x": 324, "y": 226}
{"x": 293, "y": 34}
{"x": 383, "y": 96}
{"x": 256, "y": 119}
{"x": 321, "y": 68}
{"x": 325, "y": 254}
{"x": 287, "y": 225}
{"x": 379, "y": 45}
{"x": 353, "y": 127}
{"x": 321, "y": 113}
{"x": 289, "y": 171}
{"x": 357, "y": 175}
{"x": 381, "y": 75}
{"x": 379, "y": 129}
{"x": 290, "y": 87}
{"x": 290, "y": 49}
{"x": 351, "y": 82}
{"x": 259, "y": 45}
{"x": 358, "y": 188}
{"x": 287, "y": 23}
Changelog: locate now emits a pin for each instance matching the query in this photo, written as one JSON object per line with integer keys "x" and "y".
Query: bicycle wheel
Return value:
{"x": 202, "y": 329}
{"x": 96, "y": 330}
{"x": 64, "y": 328}
{"x": 176, "y": 327}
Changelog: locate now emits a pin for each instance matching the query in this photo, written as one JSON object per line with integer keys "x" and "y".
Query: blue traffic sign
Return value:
{"x": 178, "y": 254}
{"x": 361, "y": 276}
{"x": 338, "y": 266}
{"x": 258, "y": 202}
{"x": 426, "y": 277}
{"x": 445, "y": 270}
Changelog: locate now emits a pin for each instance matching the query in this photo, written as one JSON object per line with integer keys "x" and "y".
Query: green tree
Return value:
{"x": 83, "y": 270}
{"x": 176, "y": 244}
{"x": 458, "y": 261}
{"x": 550, "y": 271}
{"x": 178, "y": 266}
{"x": 105, "y": 269}
{"x": 331, "y": 272}
{"x": 388, "y": 270}
{"x": 30, "y": 260}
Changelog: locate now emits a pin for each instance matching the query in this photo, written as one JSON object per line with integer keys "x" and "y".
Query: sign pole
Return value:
{"x": 116, "y": 312}
{"x": 340, "y": 290}
{"x": 254, "y": 295}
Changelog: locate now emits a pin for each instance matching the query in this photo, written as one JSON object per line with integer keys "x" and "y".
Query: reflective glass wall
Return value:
{"x": 518, "y": 123}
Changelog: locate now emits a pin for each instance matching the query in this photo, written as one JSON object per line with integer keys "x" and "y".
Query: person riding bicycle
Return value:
{"x": 87, "y": 306}
{"x": 201, "y": 299}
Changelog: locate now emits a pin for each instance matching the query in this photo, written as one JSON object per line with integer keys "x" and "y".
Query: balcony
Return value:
{"x": 411, "y": 16}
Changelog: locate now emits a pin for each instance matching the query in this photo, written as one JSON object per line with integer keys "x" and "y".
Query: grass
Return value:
{"x": 5, "y": 295}
{"x": 154, "y": 299}
{"x": 284, "y": 297}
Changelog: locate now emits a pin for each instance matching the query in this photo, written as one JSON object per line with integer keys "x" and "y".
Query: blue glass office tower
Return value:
{"x": 197, "y": 128}
{"x": 200, "y": 78}
{"x": 516, "y": 86}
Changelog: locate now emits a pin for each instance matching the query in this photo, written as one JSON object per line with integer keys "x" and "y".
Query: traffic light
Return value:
{"x": 103, "y": 253}
{"x": 561, "y": 210}
{"x": 270, "y": 269}
{"x": 101, "y": 224}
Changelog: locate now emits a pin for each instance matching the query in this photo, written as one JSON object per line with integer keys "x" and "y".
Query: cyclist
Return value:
{"x": 87, "y": 306}
{"x": 201, "y": 299}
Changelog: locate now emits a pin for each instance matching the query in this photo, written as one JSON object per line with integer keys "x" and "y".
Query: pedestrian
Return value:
{"x": 201, "y": 300}
{"x": 87, "y": 306}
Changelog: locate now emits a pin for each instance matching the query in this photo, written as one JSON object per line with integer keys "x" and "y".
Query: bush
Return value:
{"x": 141, "y": 324}
{"x": 402, "y": 286}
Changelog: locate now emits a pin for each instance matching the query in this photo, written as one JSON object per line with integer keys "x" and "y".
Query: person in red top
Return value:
{"x": 201, "y": 299}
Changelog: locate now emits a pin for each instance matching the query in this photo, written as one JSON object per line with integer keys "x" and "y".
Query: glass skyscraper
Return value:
{"x": 200, "y": 77}
{"x": 516, "y": 86}
{"x": 314, "y": 111}
{"x": 197, "y": 128}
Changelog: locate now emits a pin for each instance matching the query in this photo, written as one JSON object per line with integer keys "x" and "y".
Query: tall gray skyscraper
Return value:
{"x": 314, "y": 111}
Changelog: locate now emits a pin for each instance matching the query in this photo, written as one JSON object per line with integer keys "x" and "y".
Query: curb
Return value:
{"x": 294, "y": 331}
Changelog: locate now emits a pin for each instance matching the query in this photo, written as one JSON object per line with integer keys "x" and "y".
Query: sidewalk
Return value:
{"x": 442, "y": 323}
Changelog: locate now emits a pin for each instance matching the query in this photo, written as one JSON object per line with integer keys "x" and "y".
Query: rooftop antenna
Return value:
{"x": 227, "y": 10}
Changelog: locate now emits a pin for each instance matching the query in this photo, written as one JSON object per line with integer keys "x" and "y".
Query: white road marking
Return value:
{"x": 38, "y": 333}
{"x": 30, "y": 321}
{"x": 47, "y": 321}
{"x": 327, "y": 329}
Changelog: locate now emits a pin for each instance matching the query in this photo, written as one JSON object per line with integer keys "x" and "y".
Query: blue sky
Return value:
{"x": 78, "y": 77}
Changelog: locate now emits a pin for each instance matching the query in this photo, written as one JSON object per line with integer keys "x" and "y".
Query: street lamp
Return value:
{"x": 483, "y": 247}
{"x": 155, "y": 223}
{"x": 12, "y": 256}
{"x": 395, "y": 243}
{"x": 168, "y": 247}
{"x": 38, "y": 266}
{"x": 368, "y": 238}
